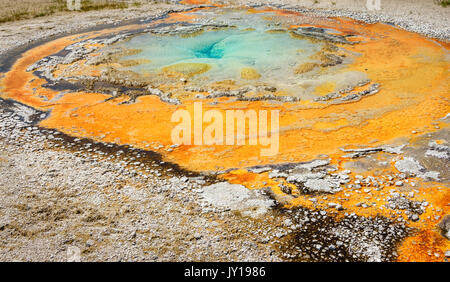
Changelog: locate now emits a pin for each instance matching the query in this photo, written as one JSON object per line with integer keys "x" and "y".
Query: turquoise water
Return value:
{"x": 273, "y": 55}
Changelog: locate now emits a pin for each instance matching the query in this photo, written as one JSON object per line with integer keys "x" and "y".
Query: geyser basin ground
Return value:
{"x": 362, "y": 106}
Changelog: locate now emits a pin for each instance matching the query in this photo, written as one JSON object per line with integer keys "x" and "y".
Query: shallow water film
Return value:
{"x": 362, "y": 117}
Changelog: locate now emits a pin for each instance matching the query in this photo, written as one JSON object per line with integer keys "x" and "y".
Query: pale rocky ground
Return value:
{"x": 58, "y": 200}
{"x": 422, "y": 16}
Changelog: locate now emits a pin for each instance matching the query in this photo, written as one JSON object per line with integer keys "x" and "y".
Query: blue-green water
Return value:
{"x": 274, "y": 55}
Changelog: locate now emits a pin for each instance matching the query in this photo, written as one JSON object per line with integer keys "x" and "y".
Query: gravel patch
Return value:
{"x": 61, "y": 203}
